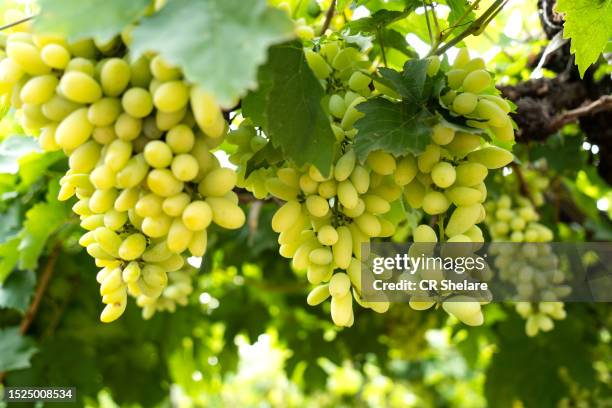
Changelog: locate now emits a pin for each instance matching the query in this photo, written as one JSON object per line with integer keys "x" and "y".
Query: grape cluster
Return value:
{"x": 139, "y": 138}
{"x": 515, "y": 221}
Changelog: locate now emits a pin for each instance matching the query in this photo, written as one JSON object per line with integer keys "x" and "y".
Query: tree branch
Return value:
{"x": 328, "y": 17}
{"x": 602, "y": 104}
{"x": 523, "y": 185}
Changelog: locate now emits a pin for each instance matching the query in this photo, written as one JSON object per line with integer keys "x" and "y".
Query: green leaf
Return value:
{"x": 218, "y": 44}
{"x": 99, "y": 19}
{"x": 267, "y": 156}
{"x": 16, "y": 291}
{"x": 378, "y": 20}
{"x": 10, "y": 221}
{"x": 34, "y": 165}
{"x": 16, "y": 350}
{"x": 393, "y": 39}
{"x": 42, "y": 220}
{"x": 9, "y": 256}
{"x": 458, "y": 8}
{"x": 287, "y": 106}
{"x": 12, "y": 149}
{"x": 397, "y": 128}
{"x": 589, "y": 25}
{"x": 410, "y": 83}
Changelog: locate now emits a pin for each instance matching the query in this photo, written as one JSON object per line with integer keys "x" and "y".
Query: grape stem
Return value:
{"x": 14, "y": 23}
{"x": 524, "y": 186}
{"x": 431, "y": 39}
{"x": 328, "y": 17}
{"x": 475, "y": 28}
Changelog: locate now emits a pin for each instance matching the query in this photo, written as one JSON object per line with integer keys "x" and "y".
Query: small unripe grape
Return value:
{"x": 435, "y": 202}
{"x": 184, "y": 167}
{"x": 158, "y": 154}
{"x": 359, "y": 81}
{"x": 137, "y": 102}
{"x": 442, "y": 135}
{"x": 381, "y": 162}
{"x": 433, "y": 65}
{"x": 180, "y": 139}
{"x": 443, "y": 174}
{"x": 80, "y": 87}
{"x": 465, "y": 103}
{"x": 477, "y": 81}
{"x": 115, "y": 76}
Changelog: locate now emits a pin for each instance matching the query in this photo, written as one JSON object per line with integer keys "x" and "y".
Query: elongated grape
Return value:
{"x": 368, "y": 224}
{"x": 467, "y": 310}
{"x": 491, "y": 111}
{"x": 218, "y": 182}
{"x": 115, "y": 76}
{"x": 226, "y": 214}
{"x": 149, "y": 205}
{"x": 477, "y": 81}
{"x": 464, "y": 196}
{"x": 133, "y": 173}
{"x": 39, "y": 89}
{"x": 347, "y": 194}
{"x": 462, "y": 219}
{"x": 197, "y": 215}
{"x": 27, "y": 57}
{"x": 137, "y": 102}
{"x": 74, "y": 130}
{"x": 414, "y": 193}
{"x": 171, "y": 96}
{"x": 342, "y": 310}
{"x": 162, "y": 182}
{"x": 443, "y": 174}
{"x": 470, "y": 174}
{"x": 179, "y": 236}
{"x": 84, "y": 158}
{"x": 80, "y": 87}
{"x": 104, "y": 111}
{"x": 318, "y": 295}
{"x": 424, "y": 233}
{"x": 435, "y": 202}
{"x": 465, "y": 103}
{"x": 492, "y": 157}
{"x": 345, "y": 165}
{"x": 286, "y": 216}
{"x": 185, "y": 167}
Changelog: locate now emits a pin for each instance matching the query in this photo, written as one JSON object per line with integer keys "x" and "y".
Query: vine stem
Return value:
{"x": 43, "y": 283}
{"x": 14, "y": 23}
{"x": 431, "y": 39}
{"x": 523, "y": 183}
{"x": 328, "y": 17}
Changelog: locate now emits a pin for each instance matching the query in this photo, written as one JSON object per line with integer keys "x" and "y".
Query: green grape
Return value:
{"x": 180, "y": 139}
{"x": 58, "y": 107}
{"x": 84, "y": 158}
{"x": 352, "y": 114}
{"x": 342, "y": 310}
{"x": 162, "y": 70}
{"x": 104, "y": 112}
{"x": 434, "y": 202}
{"x": 443, "y": 174}
{"x": 102, "y": 200}
{"x": 406, "y": 170}
{"x": 318, "y": 295}
{"x": 149, "y": 205}
{"x": 207, "y": 112}
{"x": 465, "y": 103}
{"x": 339, "y": 285}
{"x": 158, "y": 154}
{"x": 368, "y": 224}
{"x": 433, "y": 65}
{"x": 118, "y": 154}
{"x": 337, "y": 107}
{"x": 55, "y": 56}
{"x": 347, "y": 194}
{"x": 108, "y": 240}
{"x": 477, "y": 81}
{"x": 226, "y": 214}
{"x": 82, "y": 65}
{"x": 359, "y": 81}
{"x": 464, "y": 196}
{"x": 424, "y": 233}
{"x": 133, "y": 173}
{"x": 174, "y": 206}
{"x": 327, "y": 235}
{"x": 414, "y": 193}
{"x": 39, "y": 90}
{"x": 171, "y": 96}
{"x": 137, "y": 102}
{"x": 128, "y": 127}
{"x": 462, "y": 219}
{"x": 463, "y": 143}
{"x": 115, "y": 220}
{"x": 317, "y": 205}
{"x": 466, "y": 309}
{"x": 492, "y": 157}
{"x": 162, "y": 182}
{"x": 381, "y": 162}
{"x": 156, "y": 227}
{"x": 179, "y": 236}
{"x": 428, "y": 158}
{"x": 115, "y": 76}
{"x": 442, "y": 135}
{"x": 74, "y": 130}
{"x": 470, "y": 174}
{"x": 375, "y": 204}
{"x": 491, "y": 111}
{"x": 286, "y": 216}
{"x": 345, "y": 166}
{"x": 27, "y": 57}
{"x": 218, "y": 182}
{"x": 79, "y": 87}
{"x": 455, "y": 78}
{"x": 185, "y": 167}
{"x": 197, "y": 215}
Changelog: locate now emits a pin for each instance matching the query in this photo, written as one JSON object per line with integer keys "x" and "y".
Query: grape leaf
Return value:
{"x": 12, "y": 149}
{"x": 9, "y": 256}
{"x": 589, "y": 25}
{"x": 16, "y": 291}
{"x": 16, "y": 349}
{"x": 410, "y": 83}
{"x": 397, "y": 128}
{"x": 378, "y": 20}
{"x": 42, "y": 220}
{"x": 99, "y": 19}
{"x": 287, "y": 106}
{"x": 219, "y": 44}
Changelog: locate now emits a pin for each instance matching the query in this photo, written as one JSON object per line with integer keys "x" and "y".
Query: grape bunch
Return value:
{"x": 515, "y": 221}
{"x": 139, "y": 138}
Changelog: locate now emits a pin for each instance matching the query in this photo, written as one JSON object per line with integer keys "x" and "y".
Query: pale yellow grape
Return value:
{"x": 359, "y": 81}
{"x": 114, "y": 219}
{"x": 84, "y": 158}
{"x": 375, "y": 204}
{"x": 360, "y": 178}
{"x": 467, "y": 310}
{"x": 158, "y": 252}
{"x": 307, "y": 184}
{"x": 321, "y": 256}
{"x": 81, "y": 65}
{"x": 462, "y": 59}
{"x": 131, "y": 272}
{"x": 104, "y": 111}
{"x": 79, "y": 87}
{"x": 91, "y": 222}
{"x": 55, "y": 56}
{"x": 328, "y": 189}
{"x": 317, "y": 64}
{"x": 184, "y": 167}
{"x": 27, "y": 56}
{"x": 316, "y": 175}
{"x": 74, "y": 130}
{"x": 197, "y": 245}
{"x": 167, "y": 120}
{"x": 171, "y": 96}
{"x": 462, "y": 219}
{"x": 381, "y": 162}
{"x": 197, "y": 215}
{"x": 179, "y": 236}
{"x": 499, "y": 101}
{"x": 368, "y": 224}
{"x": 226, "y": 214}
{"x": 281, "y": 190}
{"x": 133, "y": 173}
{"x": 158, "y": 154}
{"x": 127, "y": 199}
{"x": 455, "y": 78}
{"x": 442, "y": 135}
{"x": 115, "y": 76}
{"x": 102, "y": 177}
{"x": 102, "y": 200}
{"x": 180, "y": 139}
{"x": 286, "y": 216}
{"x": 347, "y": 194}
{"x": 137, "y": 102}
{"x": 108, "y": 240}
{"x": 327, "y": 235}
{"x": 289, "y": 176}
{"x": 342, "y": 310}
{"x": 492, "y": 157}
{"x": 387, "y": 228}
{"x": 414, "y": 194}
{"x": 218, "y": 182}
{"x": 435, "y": 202}
{"x": 464, "y": 196}
{"x": 162, "y": 182}
{"x": 337, "y": 106}
{"x": 318, "y": 295}
{"x": 316, "y": 273}
{"x": 345, "y": 165}
{"x": 352, "y": 114}
{"x": 128, "y": 127}
{"x": 10, "y": 72}
{"x": 113, "y": 311}
{"x": 118, "y": 154}
{"x": 156, "y": 227}
{"x": 58, "y": 107}
{"x": 504, "y": 133}
{"x": 421, "y": 304}
{"x": 460, "y": 239}
{"x": 355, "y": 211}
{"x": 39, "y": 90}
{"x": 163, "y": 70}
{"x": 33, "y": 117}
{"x": 470, "y": 174}
{"x": 477, "y": 81}
{"x": 174, "y": 206}
{"x": 428, "y": 158}
{"x": 154, "y": 275}
{"x": 406, "y": 170}
{"x": 433, "y": 65}
{"x": 465, "y": 103}
{"x": 206, "y": 112}
{"x": 317, "y": 205}
{"x": 424, "y": 233}
{"x": 463, "y": 143}
{"x": 149, "y": 205}
{"x": 47, "y": 139}
{"x": 473, "y": 65}
{"x": 491, "y": 111}
{"x": 339, "y": 285}
{"x": 443, "y": 174}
